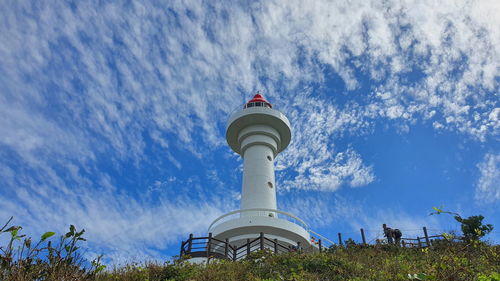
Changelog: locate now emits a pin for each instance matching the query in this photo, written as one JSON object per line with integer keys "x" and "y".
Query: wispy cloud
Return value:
{"x": 334, "y": 213}
{"x": 118, "y": 224}
{"x": 128, "y": 76}
{"x": 320, "y": 210}
{"x": 312, "y": 161}
{"x": 488, "y": 184}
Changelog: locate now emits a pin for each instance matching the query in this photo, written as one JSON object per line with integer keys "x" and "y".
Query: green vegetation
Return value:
{"x": 22, "y": 260}
{"x": 448, "y": 261}
{"x": 472, "y": 259}
{"x": 472, "y": 227}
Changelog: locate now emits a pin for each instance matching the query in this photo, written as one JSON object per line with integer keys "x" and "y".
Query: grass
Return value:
{"x": 453, "y": 261}
{"x": 22, "y": 260}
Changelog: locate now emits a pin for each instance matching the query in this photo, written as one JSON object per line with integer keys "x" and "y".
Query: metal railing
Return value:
{"x": 244, "y": 106}
{"x": 257, "y": 104}
{"x": 260, "y": 212}
{"x": 424, "y": 242}
{"x": 210, "y": 247}
{"x": 322, "y": 237}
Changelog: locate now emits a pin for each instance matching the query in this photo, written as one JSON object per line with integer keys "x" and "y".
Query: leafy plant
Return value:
{"x": 419, "y": 276}
{"x": 494, "y": 276}
{"x": 472, "y": 227}
{"x": 350, "y": 242}
{"x": 98, "y": 266}
{"x": 21, "y": 259}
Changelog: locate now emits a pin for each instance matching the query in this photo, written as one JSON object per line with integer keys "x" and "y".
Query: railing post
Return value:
{"x": 363, "y": 236}
{"x": 419, "y": 242}
{"x": 248, "y": 247}
{"x": 190, "y": 243}
{"x": 275, "y": 245}
{"x": 262, "y": 241}
{"x": 226, "y": 248}
{"x": 182, "y": 249}
{"x": 235, "y": 251}
{"x": 320, "y": 246}
{"x": 298, "y": 247}
{"x": 403, "y": 243}
{"x": 426, "y": 237}
{"x": 209, "y": 246}
{"x": 340, "y": 239}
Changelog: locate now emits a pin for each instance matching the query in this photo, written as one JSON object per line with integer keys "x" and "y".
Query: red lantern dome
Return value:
{"x": 258, "y": 101}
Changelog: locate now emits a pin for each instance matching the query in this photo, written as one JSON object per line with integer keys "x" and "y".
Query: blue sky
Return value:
{"x": 113, "y": 115}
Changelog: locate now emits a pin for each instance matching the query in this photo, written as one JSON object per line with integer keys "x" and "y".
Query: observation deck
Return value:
{"x": 238, "y": 227}
{"x": 234, "y": 236}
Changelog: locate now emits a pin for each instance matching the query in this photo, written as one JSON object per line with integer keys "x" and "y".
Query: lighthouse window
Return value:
{"x": 257, "y": 104}
{"x": 270, "y": 184}
{"x": 269, "y": 158}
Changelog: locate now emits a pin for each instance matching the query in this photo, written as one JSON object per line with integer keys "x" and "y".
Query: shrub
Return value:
{"x": 21, "y": 259}
{"x": 472, "y": 227}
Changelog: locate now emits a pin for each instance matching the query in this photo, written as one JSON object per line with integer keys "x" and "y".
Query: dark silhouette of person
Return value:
{"x": 397, "y": 236}
{"x": 388, "y": 232}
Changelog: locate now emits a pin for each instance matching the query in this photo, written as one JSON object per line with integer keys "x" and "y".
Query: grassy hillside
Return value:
{"x": 23, "y": 259}
{"x": 447, "y": 262}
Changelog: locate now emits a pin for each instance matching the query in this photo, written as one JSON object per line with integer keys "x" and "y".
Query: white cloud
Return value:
{"x": 320, "y": 210}
{"x": 118, "y": 224}
{"x": 311, "y": 161}
{"x": 333, "y": 212}
{"x": 410, "y": 225}
{"x": 488, "y": 184}
{"x": 145, "y": 78}
{"x": 184, "y": 78}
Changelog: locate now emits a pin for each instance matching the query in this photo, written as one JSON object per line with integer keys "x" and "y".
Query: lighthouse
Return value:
{"x": 258, "y": 133}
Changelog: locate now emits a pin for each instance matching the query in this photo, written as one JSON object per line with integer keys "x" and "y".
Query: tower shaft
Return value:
{"x": 259, "y": 145}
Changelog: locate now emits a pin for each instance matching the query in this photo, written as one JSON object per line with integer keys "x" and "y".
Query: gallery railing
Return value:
{"x": 210, "y": 247}
{"x": 259, "y": 212}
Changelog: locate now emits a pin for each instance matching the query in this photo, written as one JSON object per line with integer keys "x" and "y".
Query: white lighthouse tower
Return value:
{"x": 259, "y": 133}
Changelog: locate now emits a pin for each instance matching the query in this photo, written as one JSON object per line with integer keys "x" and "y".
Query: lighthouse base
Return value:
{"x": 239, "y": 231}
{"x": 236, "y": 234}
{"x": 204, "y": 249}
